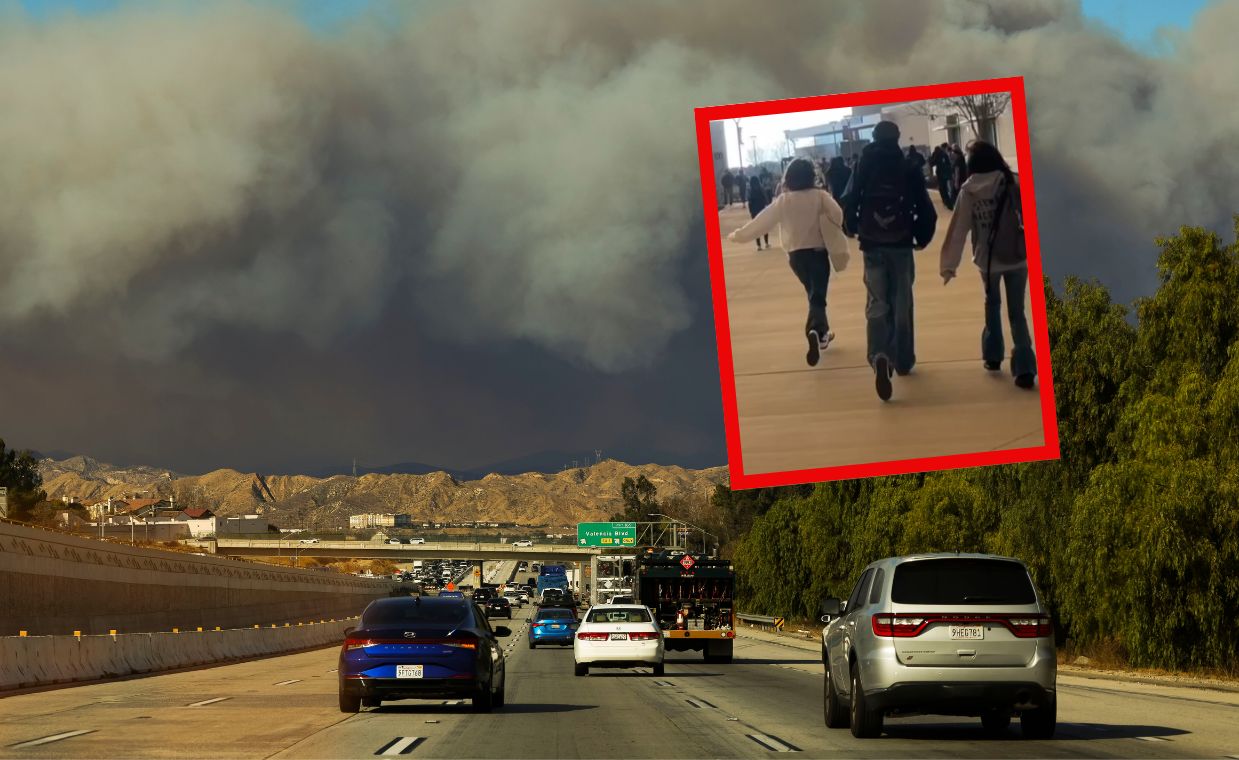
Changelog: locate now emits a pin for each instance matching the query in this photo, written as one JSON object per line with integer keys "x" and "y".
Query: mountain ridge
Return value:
{"x": 580, "y": 494}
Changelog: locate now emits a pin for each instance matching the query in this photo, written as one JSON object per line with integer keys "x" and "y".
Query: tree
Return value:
{"x": 19, "y": 473}
{"x": 981, "y": 111}
{"x": 639, "y": 499}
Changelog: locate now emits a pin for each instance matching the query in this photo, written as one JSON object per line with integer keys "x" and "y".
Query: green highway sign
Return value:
{"x": 606, "y": 534}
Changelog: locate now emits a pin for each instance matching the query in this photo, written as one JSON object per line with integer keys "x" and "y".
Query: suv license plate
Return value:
{"x": 409, "y": 671}
{"x": 967, "y": 632}
{"x": 619, "y": 637}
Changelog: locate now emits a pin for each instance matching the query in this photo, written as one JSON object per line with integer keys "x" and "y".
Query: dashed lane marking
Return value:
{"x": 290, "y": 681}
{"x": 49, "y": 739}
{"x": 206, "y": 702}
{"x": 699, "y": 703}
{"x": 1152, "y": 739}
{"x": 663, "y": 683}
{"x": 401, "y": 745}
{"x": 772, "y": 743}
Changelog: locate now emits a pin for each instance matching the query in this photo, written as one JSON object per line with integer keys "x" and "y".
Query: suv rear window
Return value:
{"x": 435, "y": 614}
{"x": 962, "y": 581}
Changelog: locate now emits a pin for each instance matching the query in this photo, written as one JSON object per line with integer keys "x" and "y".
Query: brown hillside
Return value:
{"x": 562, "y": 498}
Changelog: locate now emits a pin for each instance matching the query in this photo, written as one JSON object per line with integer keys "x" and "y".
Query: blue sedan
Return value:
{"x": 552, "y": 625}
{"x": 422, "y": 648}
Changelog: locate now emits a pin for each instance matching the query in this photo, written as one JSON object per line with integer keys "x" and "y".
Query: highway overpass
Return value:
{"x": 406, "y": 552}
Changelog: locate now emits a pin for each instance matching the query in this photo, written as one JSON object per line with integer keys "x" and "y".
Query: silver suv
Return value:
{"x": 940, "y": 634}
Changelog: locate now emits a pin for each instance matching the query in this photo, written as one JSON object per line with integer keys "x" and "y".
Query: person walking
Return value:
{"x": 837, "y": 175}
{"x": 988, "y": 209}
{"x": 758, "y": 200}
{"x": 810, "y": 230}
{"x": 940, "y": 162}
{"x": 887, "y": 208}
{"x": 959, "y": 171}
{"x": 742, "y": 187}
{"x": 726, "y": 180}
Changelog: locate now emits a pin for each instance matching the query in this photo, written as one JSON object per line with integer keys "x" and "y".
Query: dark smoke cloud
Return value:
{"x": 199, "y": 190}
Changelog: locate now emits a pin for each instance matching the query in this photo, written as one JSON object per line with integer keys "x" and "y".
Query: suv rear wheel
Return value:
{"x": 866, "y": 721}
{"x": 1040, "y": 723}
{"x": 835, "y": 712}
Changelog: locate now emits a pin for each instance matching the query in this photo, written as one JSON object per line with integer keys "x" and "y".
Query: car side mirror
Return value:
{"x": 831, "y": 607}
{"x": 503, "y": 630}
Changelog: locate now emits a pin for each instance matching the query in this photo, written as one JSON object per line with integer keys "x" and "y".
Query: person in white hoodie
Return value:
{"x": 811, "y": 231}
{"x": 992, "y": 192}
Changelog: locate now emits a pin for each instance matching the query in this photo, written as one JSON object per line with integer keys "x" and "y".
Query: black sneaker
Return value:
{"x": 815, "y": 351}
{"x": 993, "y": 366}
{"x": 882, "y": 377}
{"x": 1024, "y": 381}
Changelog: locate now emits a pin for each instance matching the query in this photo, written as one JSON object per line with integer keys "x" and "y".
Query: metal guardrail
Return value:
{"x": 773, "y": 622}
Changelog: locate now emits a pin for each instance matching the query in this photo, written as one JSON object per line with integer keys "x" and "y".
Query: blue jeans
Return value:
{"x": 813, "y": 270}
{"x": 889, "y": 274}
{"x": 1023, "y": 359}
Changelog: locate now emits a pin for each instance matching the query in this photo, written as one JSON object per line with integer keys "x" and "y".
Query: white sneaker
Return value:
{"x": 825, "y": 342}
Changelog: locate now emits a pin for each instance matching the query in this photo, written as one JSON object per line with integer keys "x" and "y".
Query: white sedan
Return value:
{"x": 618, "y": 636}
{"x": 523, "y": 542}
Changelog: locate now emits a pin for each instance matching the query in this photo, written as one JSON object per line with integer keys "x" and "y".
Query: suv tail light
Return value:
{"x": 643, "y": 636}
{"x": 587, "y": 636}
{"x": 910, "y": 626}
{"x": 1031, "y": 626}
{"x": 898, "y": 626}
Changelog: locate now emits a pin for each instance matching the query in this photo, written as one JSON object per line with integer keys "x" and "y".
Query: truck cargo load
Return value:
{"x": 692, "y": 598}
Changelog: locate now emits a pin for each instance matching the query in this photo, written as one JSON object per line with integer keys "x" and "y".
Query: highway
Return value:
{"x": 769, "y": 700}
{"x": 238, "y": 547}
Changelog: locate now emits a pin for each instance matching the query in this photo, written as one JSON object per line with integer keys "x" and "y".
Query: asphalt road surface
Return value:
{"x": 769, "y": 700}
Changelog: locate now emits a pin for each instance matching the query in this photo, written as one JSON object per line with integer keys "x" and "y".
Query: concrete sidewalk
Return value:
{"x": 793, "y": 416}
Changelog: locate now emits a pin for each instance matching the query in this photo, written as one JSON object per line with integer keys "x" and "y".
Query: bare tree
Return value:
{"x": 980, "y": 111}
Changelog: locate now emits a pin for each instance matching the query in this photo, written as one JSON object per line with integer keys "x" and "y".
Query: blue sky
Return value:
{"x": 1135, "y": 20}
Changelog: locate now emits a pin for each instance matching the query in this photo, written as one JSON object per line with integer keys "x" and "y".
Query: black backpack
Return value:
{"x": 1006, "y": 233}
{"x": 884, "y": 215}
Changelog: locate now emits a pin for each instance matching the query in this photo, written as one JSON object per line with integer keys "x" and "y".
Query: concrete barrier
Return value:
{"x": 46, "y": 660}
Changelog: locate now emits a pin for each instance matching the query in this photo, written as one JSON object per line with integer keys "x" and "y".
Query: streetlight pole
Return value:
{"x": 739, "y": 146}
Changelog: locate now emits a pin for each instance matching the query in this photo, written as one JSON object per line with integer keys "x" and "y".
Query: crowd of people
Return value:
{"x": 880, "y": 199}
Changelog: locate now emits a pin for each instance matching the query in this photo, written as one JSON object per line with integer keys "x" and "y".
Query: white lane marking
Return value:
{"x": 332, "y": 670}
{"x": 52, "y": 738}
{"x": 1152, "y": 739}
{"x": 290, "y": 681}
{"x": 453, "y": 701}
{"x": 771, "y": 743}
{"x": 698, "y": 702}
{"x": 401, "y": 745}
{"x": 208, "y": 702}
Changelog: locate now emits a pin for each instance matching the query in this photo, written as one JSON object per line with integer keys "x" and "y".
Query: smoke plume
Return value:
{"x": 522, "y": 171}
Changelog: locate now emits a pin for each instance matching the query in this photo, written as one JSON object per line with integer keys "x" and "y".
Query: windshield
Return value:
{"x": 414, "y": 612}
{"x": 962, "y": 581}
{"x": 631, "y": 615}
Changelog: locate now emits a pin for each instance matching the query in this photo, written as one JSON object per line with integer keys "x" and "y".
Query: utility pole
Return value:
{"x": 753, "y": 141}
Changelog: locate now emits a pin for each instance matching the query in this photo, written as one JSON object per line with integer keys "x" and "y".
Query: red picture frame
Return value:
{"x": 709, "y": 194}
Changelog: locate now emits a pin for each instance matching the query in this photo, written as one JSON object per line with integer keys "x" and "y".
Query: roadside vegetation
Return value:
{"x": 1133, "y": 536}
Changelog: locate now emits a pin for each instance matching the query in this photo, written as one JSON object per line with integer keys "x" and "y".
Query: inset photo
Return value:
{"x": 877, "y": 283}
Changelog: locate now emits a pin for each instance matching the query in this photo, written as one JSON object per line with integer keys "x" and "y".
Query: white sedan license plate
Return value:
{"x": 619, "y": 637}
{"x": 409, "y": 671}
{"x": 967, "y": 632}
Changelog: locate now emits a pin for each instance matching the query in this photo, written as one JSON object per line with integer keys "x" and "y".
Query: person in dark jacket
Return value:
{"x": 887, "y": 208}
{"x": 959, "y": 171}
{"x": 838, "y": 175}
{"x": 742, "y": 187}
{"x": 758, "y": 200}
{"x": 726, "y": 181}
{"x": 940, "y": 162}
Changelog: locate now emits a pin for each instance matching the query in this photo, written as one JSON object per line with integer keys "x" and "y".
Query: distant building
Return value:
{"x": 358, "y": 522}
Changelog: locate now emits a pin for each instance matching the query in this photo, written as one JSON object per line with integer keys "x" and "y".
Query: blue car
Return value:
{"x": 552, "y": 625}
{"x": 422, "y": 648}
